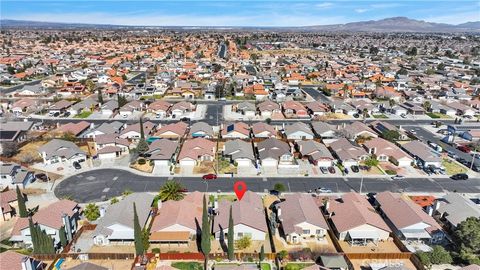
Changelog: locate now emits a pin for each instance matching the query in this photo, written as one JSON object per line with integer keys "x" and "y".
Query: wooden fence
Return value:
{"x": 379, "y": 256}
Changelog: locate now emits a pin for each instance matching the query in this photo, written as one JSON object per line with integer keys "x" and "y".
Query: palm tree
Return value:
{"x": 171, "y": 190}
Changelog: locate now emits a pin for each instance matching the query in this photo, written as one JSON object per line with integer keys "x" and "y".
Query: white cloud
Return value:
{"x": 361, "y": 10}
{"x": 385, "y": 5}
{"x": 454, "y": 18}
{"x": 324, "y": 5}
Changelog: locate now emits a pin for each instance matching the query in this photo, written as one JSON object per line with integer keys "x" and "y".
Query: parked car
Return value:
{"x": 331, "y": 170}
{"x": 324, "y": 170}
{"x": 354, "y": 168}
{"x": 42, "y": 177}
{"x": 66, "y": 114}
{"x": 323, "y": 190}
{"x": 398, "y": 177}
{"x": 345, "y": 171}
{"x": 77, "y": 165}
{"x": 56, "y": 114}
{"x": 274, "y": 192}
{"x": 209, "y": 176}
{"x": 459, "y": 176}
{"x": 464, "y": 148}
{"x": 185, "y": 119}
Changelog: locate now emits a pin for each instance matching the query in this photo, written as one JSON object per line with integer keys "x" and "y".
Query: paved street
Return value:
{"x": 98, "y": 185}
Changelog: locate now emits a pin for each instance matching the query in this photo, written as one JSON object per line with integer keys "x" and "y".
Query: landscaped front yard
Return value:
{"x": 453, "y": 167}
{"x": 187, "y": 265}
{"x": 437, "y": 115}
{"x": 380, "y": 116}
{"x": 83, "y": 114}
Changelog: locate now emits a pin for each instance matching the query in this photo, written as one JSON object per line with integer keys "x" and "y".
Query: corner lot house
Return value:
{"x": 56, "y": 151}
{"x": 408, "y": 219}
{"x": 301, "y": 219}
{"x": 51, "y": 219}
{"x": 116, "y": 225}
{"x": 388, "y": 151}
{"x": 178, "y": 221}
{"x": 455, "y": 208}
{"x": 355, "y": 220}
{"x": 248, "y": 218}
{"x": 423, "y": 154}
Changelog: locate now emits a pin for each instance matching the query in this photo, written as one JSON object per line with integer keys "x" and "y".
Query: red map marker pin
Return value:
{"x": 240, "y": 188}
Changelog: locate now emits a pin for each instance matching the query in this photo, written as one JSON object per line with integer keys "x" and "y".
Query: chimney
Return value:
{"x": 430, "y": 210}
{"x": 327, "y": 204}
{"x": 27, "y": 263}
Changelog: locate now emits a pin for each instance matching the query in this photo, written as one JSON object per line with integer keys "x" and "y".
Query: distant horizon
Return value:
{"x": 196, "y": 13}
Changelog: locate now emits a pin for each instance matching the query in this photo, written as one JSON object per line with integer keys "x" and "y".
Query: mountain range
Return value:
{"x": 394, "y": 24}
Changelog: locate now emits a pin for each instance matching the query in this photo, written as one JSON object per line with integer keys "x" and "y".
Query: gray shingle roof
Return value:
{"x": 239, "y": 149}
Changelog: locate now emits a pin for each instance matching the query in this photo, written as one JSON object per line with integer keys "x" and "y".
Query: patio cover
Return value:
{"x": 364, "y": 235}
{"x": 416, "y": 235}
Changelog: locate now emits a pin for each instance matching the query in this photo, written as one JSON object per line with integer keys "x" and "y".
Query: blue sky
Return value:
{"x": 236, "y": 13}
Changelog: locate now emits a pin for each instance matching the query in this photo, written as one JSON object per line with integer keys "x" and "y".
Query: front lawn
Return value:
{"x": 296, "y": 266}
{"x": 188, "y": 265}
{"x": 265, "y": 266}
{"x": 83, "y": 114}
{"x": 380, "y": 116}
{"x": 437, "y": 115}
{"x": 452, "y": 167}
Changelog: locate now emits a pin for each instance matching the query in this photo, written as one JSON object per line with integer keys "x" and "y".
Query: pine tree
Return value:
{"x": 137, "y": 232}
{"x": 22, "y": 208}
{"x": 63, "y": 236}
{"x": 142, "y": 146}
{"x": 261, "y": 256}
{"x": 205, "y": 240}
{"x": 100, "y": 96}
{"x": 34, "y": 236}
{"x": 231, "y": 246}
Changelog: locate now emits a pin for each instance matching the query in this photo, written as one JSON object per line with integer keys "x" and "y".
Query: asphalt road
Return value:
{"x": 102, "y": 184}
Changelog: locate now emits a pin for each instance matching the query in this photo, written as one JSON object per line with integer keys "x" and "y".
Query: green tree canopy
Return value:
{"x": 22, "y": 208}
{"x": 231, "y": 245}
{"x": 91, "y": 212}
{"x": 205, "y": 244}
{"x": 467, "y": 236}
{"x": 391, "y": 135}
{"x": 171, "y": 190}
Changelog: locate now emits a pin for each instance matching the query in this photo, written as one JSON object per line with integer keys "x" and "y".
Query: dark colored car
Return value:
{"x": 331, "y": 170}
{"x": 56, "y": 114}
{"x": 274, "y": 192}
{"x": 76, "y": 165}
{"x": 324, "y": 170}
{"x": 459, "y": 176}
{"x": 345, "y": 171}
{"x": 42, "y": 177}
{"x": 354, "y": 168}
{"x": 209, "y": 176}
{"x": 464, "y": 149}
{"x": 185, "y": 119}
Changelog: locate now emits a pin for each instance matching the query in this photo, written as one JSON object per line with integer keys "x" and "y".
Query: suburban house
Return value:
{"x": 51, "y": 219}
{"x": 105, "y": 128}
{"x": 160, "y": 108}
{"x": 263, "y": 130}
{"x": 116, "y": 222}
{"x": 455, "y": 208}
{"x": 132, "y": 106}
{"x": 12, "y": 174}
{"x": 7, "y": 199}
{"x": 171, "y": 131}
{"x": 358, "y": 129}
{"x": 423, "y": 154}
{"x": 196, "y": 150}
{"x": 300, "y": 219}
{"x": 178, "y": 221}
{"x": 248, "y": 218}
{"x": 59, "y": 107}
{"x": 132, "y": 132}
{"x": 324, "y": 130}
{"x": 317, "y": 108}
{"x": 202, "y": 130}
{"x": 273, "y": 152}
{"x": 317, "y": 153}
{"x": 247, "y": 109}
{"x": 109, "y": 107}
{"x": 355, "y": 220}
{"x": 75, "y": 129}
{"x": 14, "y": 131}
{"x": 298, "y": 131}
{"x": 408, "y": 219}
{"x": 86, "y": 105}
{"x": 23, "y": 105}
{"x": 57, "y": 150}
{"x": 162, "y": 152}
{"x": 110, "y": 146}
{"x": 268, "y": 108}
{"x": 12, "y": 260}
{"x": 347, "y": 153}
{"x": 238, "y": 130}
{"x": 381, "y": 127}
{"x": 240, "y": 152}
{"x": 178, "y": 109}
{"x": 461, "y": 109}
{"x": 294, "y": 109}
{"x": 385, "y": 150}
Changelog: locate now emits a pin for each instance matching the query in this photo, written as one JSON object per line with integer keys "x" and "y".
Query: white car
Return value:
{"x": 398, "y": 177}
{"x": 323, "y": 190}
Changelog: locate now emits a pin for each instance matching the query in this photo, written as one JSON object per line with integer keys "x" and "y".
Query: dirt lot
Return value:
{"x": 205, "y": 167}
{"x": 30, "y": 148}
{"x": 388, "y": 246}
{"x": 110, "y": 264}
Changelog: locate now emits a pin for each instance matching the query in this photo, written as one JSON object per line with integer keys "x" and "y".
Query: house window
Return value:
{"x": 306, "y": 231}
{"x": 240, "y": 234}
{"x": 319, "y": 232}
